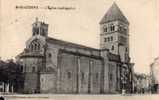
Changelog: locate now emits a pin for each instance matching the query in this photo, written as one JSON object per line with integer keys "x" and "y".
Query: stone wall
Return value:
{"x": 96, "y": 76}
{"x": 52, "y": 62}
{"x": 68, "y": 74}
{"x": 112, "y": 74}
{"x": 83, "y": 64}
{"x": 47, "y": 83}
{"x": 30, "y": 69}
{"x": 30, "y": 83}
{"x": 80, "y": 74}
{"x": 104, "y": 54}
{"x": 67, "y": 70}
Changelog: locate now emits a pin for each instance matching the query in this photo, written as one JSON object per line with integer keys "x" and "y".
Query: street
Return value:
{"x": 82, "y": 97}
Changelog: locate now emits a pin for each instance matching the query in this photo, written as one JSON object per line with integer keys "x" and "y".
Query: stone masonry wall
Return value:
{"x": 80, "y": 74}
{"x": 47, "y": 83}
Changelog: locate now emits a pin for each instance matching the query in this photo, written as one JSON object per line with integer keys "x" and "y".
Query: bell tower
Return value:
{"x": 114, "y": 29}
{"x": 39, "y": 28}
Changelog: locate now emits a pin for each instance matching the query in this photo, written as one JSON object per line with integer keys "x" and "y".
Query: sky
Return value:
{"x": 81, "y": 25}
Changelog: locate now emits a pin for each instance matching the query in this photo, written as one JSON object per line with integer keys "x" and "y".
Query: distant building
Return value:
{"x": 55, "y": 66}
{"x": 154, "y": 76}
{"x": 141, "y": 83}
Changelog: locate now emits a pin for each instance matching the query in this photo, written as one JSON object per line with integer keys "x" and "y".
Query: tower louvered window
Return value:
{"x": 112, "y": 28}
{"x": 105, "y": 29}
{"x": 35, "y": 31}
{"x": 111, "y": 38}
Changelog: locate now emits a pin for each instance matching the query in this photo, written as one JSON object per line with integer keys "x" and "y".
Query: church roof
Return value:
{"x": 69, "y": 44}
{"x": 114, "y": 13}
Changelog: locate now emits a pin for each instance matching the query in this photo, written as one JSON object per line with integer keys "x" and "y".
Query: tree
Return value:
{"x": 3, "y": 76}
{"x": 11, "y": 73}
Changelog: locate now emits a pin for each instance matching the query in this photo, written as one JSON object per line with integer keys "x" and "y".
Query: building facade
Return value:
{"x": 56, "y": 66}
{"x": 141, "y": 83}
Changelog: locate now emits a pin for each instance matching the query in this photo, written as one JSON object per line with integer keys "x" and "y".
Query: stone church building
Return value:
{"x": 55, "y": 66}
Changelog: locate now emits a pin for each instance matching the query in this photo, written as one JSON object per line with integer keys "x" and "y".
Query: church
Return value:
{"x": 55, "y": 66}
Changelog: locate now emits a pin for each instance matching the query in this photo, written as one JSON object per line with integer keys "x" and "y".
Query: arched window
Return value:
{"x": 105, "y": 29}
{"x": 42, "y": 32}
{"x": 49, "y": 55}
{"x": 33, "y": 69}
{"x": 112, "y": 47}
{"x": 105, "y": 39}
{"x": 110, "y": 77}
{"x": 111, "y": 38}
{"x": 126, "y": 49}
{"x": 112, "y": 28}
{"x": 69, "y": 75}
{"x": 108, "y": 39}
{"x": 38, "y": 46}
{"x": 35, "y": 45}
{"x": 35, "y": 31}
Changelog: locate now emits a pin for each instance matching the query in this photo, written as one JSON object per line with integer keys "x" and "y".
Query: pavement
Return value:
{"x": 81, "y": 97}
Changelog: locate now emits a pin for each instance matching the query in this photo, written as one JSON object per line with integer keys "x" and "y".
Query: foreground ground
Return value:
{"x": 81, "y": 97}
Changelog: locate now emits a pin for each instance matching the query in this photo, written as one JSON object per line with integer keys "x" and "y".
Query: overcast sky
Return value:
{"x": 81, "y": 25}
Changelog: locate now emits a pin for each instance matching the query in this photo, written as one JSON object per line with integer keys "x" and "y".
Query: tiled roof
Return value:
{"x": 113, "y": 14}
{"x": 69, "y": 44}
